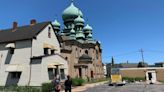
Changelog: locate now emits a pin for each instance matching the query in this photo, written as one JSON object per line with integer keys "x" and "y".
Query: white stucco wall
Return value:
{"x": 20, "y": 57}
{"x": 37, "y": 47}
{"x": 24, "y": 51}
{"x": 39, "y": 72}
{"x": 36, "y": 74}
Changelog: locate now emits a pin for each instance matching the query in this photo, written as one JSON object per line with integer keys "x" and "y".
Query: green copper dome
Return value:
{"x": 80, "y": 35}
{"x": 87, "y": 27}
{"x": 71, "y": 12}
{"x": 72, "y": 31}
{"x": 89, "y": 35}
{"x": 79, "y": 20}
{"x": 56, "y": 23}
{"x": 62, "y": 34}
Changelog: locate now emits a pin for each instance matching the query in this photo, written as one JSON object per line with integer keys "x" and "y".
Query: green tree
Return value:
{"x": 112, "y": 61}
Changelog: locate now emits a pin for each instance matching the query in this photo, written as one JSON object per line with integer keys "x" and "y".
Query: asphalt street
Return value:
{"x": 127, "y": 88}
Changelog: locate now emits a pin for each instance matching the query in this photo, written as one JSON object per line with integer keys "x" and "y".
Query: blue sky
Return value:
{"x": 122, "y": 26}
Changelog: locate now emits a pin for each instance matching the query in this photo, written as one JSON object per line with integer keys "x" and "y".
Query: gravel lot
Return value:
{"x": 128, "y": 88}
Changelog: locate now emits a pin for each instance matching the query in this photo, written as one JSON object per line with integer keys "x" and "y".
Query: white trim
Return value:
{"x": 14, "y": 68}
{"x": 10, "y": 45}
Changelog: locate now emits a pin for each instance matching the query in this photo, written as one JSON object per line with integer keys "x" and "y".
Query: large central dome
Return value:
{"x": 71, "y": 12}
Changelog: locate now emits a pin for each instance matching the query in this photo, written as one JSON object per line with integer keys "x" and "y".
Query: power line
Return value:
{"x": 142, "y": 55}
{"x": 132, "y": 52}
{"x": 155, "y": 51}
{"x": 123, "y": 54}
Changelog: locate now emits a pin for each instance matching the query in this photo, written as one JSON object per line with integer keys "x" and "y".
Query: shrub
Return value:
{"x": 132, "y": 79}
{"x": 139, "y": 79}
{"x": 19, "y": 89}
{"x": 78, "y": 81}
{"x": 47, "y": 87}
{"x": 27, "y": 89}
{"x": 162, "y": 81}
{"x": 128, "y": 79}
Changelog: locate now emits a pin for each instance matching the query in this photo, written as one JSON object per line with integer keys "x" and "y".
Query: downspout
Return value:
{"x": 30, "y": 64}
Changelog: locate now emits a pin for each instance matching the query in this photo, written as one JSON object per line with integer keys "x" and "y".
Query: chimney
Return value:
{"x": 15, "y": 25}
{"x": 33, "y": 22}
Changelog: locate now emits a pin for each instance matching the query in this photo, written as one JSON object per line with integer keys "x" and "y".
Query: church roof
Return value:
{"x": 22, "y": 33}
{"x": 56, "y": 23}
{"x": 88, "y": 27}
{"x": 85, "y": 58}
{"x": 79, "y": 20}
{"x": 71, "y": 12}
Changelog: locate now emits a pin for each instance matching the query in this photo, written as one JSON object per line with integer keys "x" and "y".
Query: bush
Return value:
{"x": 47, "y": 87}
{"x": 132, "y": 79}
{"x": 162, "y": 81}
{"x": 139, "y": 79}
{"x": 78, "y": 81}
{"x": 19, "y": 89}
{"x": 27, "y": 89}
{"x": 128, "y": 79}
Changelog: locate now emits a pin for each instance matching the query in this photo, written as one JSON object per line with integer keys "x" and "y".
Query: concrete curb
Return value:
{"x": 86, "y": 86}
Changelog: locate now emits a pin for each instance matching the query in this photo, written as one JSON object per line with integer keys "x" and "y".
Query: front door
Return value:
{"x": 151, "y": 76}
{"x": 91, "y": 74}
{"x": 80, "y": 73}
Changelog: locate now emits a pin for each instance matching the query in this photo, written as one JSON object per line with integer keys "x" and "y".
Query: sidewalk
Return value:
{"x": 86, "y": 86}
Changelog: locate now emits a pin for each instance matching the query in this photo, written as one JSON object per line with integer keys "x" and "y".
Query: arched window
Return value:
{"x": 86, "y": 52}
{"x": 97, "y": 54}
{"x": 66, "y": 58}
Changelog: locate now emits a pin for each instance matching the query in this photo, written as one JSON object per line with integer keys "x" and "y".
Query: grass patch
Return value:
{"x": 132, "y": 79}
{"x": 19, "y": 89}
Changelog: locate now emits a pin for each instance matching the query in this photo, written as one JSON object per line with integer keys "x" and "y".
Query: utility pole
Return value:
{"x": 142, "y": 55}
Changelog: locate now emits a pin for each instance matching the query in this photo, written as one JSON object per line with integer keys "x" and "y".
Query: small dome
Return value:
{"x": 79, "y": 20}
{"x": 62, "y": 34}
{"x": 80, "y": 35}
{"x": 71, "y": 12}
{"x": 89, "y": 36}
{"x": 72, "y": 31}
{"x": 87, "y": 27}
{"x": 56, "y": 23}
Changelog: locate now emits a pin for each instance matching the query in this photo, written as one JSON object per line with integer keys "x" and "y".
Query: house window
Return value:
{"x": 76, "y": 53}
{"x": 50, "y": 73}
{"x": 46, "y": 51}
{"x": 49, "y": 32}
{"x": 66, "y": 58}
{"x": 62, "y": 74}
{"x": 15, "y": 75}
{"x": 11, "y": 50}
{"x": 52, "y": 51}
{"x": 56, "y": 72}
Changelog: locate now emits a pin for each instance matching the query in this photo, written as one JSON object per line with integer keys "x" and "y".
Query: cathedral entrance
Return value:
{"x": 91, "y": 74}
{"x": 80, "y": 72}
